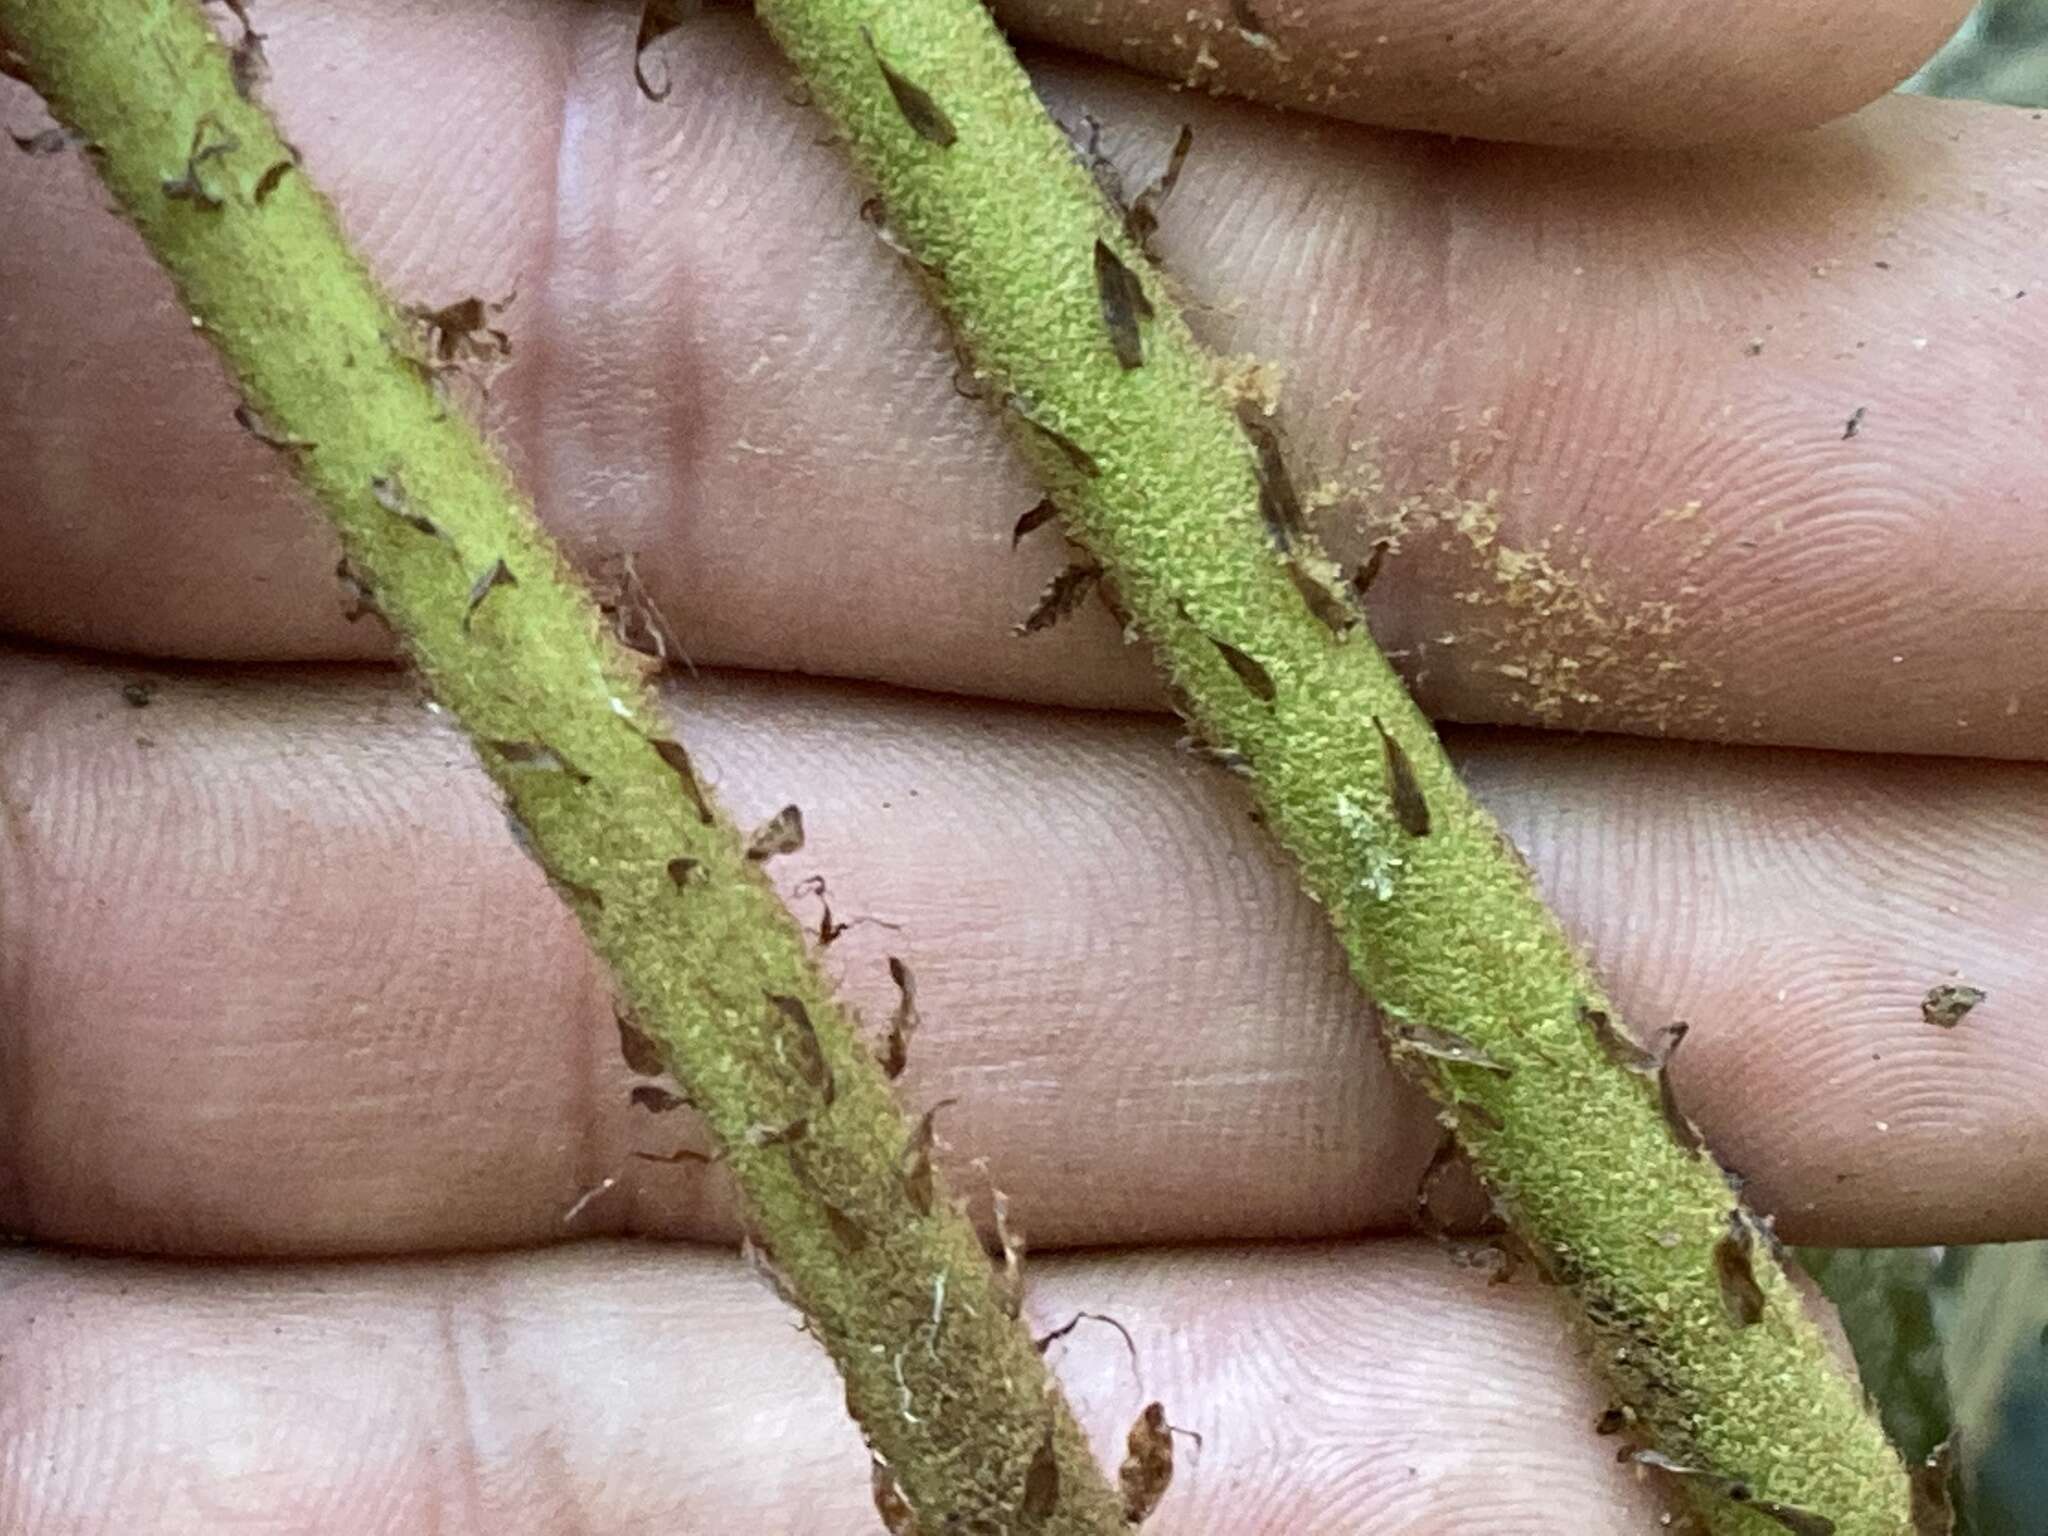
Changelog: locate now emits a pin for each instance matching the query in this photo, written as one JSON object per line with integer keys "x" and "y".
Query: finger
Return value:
{"x": 1532, "y": 373}
{"x": 1640, "y": 72}
{"x": 607, "y": 1388}
{"x": 277, "y": 981}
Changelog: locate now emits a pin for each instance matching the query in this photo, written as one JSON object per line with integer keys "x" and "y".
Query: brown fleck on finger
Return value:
{"x": 494, "y": 576}
{"x": 461, "y": 331}
{"x": 1147, "y": 1469}
{"x": 924, "y": 115}
{"x": 247, "y": 65}
{"x": 779, "y": 834}
{"x": 1410, "y": 809}
{"x": 1062, "y": 596}
{"x": 903, "y": 1022}
{"x": 1121, "y": 297}
{"x": 1740, "y": 1293}
{"x": 655, "y": 1099}
{"x": 1944, "y": 1006}
{"x": 829, "y": 928}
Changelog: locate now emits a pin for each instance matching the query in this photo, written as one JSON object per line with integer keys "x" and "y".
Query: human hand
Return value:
{"x": 278, "y": 986}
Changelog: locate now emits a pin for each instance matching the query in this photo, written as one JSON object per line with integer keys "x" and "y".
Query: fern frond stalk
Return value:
{"x": 1727, "y": 1384}
{"x": 943, "y": 1378}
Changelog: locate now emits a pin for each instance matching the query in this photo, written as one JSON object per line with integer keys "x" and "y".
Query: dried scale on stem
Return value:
{"x": 1183, "y": 507}
{"x": 969, "y": 1432}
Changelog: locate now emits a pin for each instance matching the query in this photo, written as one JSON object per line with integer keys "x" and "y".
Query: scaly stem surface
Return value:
{"x": 1484, "y": 998}
{"x": 943, "y": 1378}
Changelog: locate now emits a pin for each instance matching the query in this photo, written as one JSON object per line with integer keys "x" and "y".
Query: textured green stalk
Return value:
{"x": 943, "y": 1378}
{"x": 1154, "y": 476}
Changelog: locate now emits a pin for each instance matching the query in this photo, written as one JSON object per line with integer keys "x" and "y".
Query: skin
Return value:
{"x": 277, "y": 987}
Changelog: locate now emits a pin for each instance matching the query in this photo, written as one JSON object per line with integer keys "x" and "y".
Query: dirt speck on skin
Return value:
{"x": 1541, "y": 616}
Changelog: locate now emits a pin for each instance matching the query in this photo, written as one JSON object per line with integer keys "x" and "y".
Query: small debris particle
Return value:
{"x": 253, "y": 424}
{"x": 191, "y": 187}
{"x": 678, "y": 761}
{"x": 357, "y": 587}
{"x": 811, "y": 1064}
{"x": 389, "y": 493}
{"x": 1336, "y": 615}
{"x": 537, "y": 755}
{"x": 1683, "y": 1131}
{"x": 1046, "y": 1341}
{"x": 1141, "y": 220}
{"x": 1363, "y": 578}
{"x": 679, "y": 1156}
{"x": 496, "y": 576}
{"x": 1854, "y": 423}
{"x": 1062, "y": 596}
{"x": 1041, "y": 1481}
{"x": 1147, "y": 1469}
{"x": 1010, "y": 1283}
{"x": 267, "y": 183}
{"x": 658, "y": 18}
{"x": 903, "y": 1023}
{"x": 1933, "y": 1507}
{"x": 638, "y": 1047}
{"x": 875, "y": 214}
{"x": 1249, "y": 25}
{"x": 1617, "y": 1046}
{"x": 924, "y": 115}
{"x": 460, "y": 331}
{"x": 1443, "y": 1045}
{"x": 247, "y": 66}
{"x": 1122, "y": 299}
{"x": 915, "y": 1163}
{"x": 779, "y": 834}
{"x": 655, "y": 1099}
{"x": 779, "y": 1135}
{"x": 1441, "y": 1161}
{"x": 50, "y": 141}
{"x": 898, "y": 1518}
{"x": 1249, "y": 672}
{"x": 829, "y": 929}
{"x": 1410, "y": 809}
{"x": 1033, "y": 520}
{"x": 1740, "y": 1293}
{"x": 636, "y": 620}
{"x": 1229, "y": 761}
{"x": 1613, "y": 1421}
{"x": 583, "y": 1201}
{"x": 1946, "y": 1005}
{"x": 138, "y": 694}
{"x": 1279, "y": 503}
{"x": 680, "y": 870}
{"x": 847, "y": 1232}
{"x": 1082, "y": 461}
